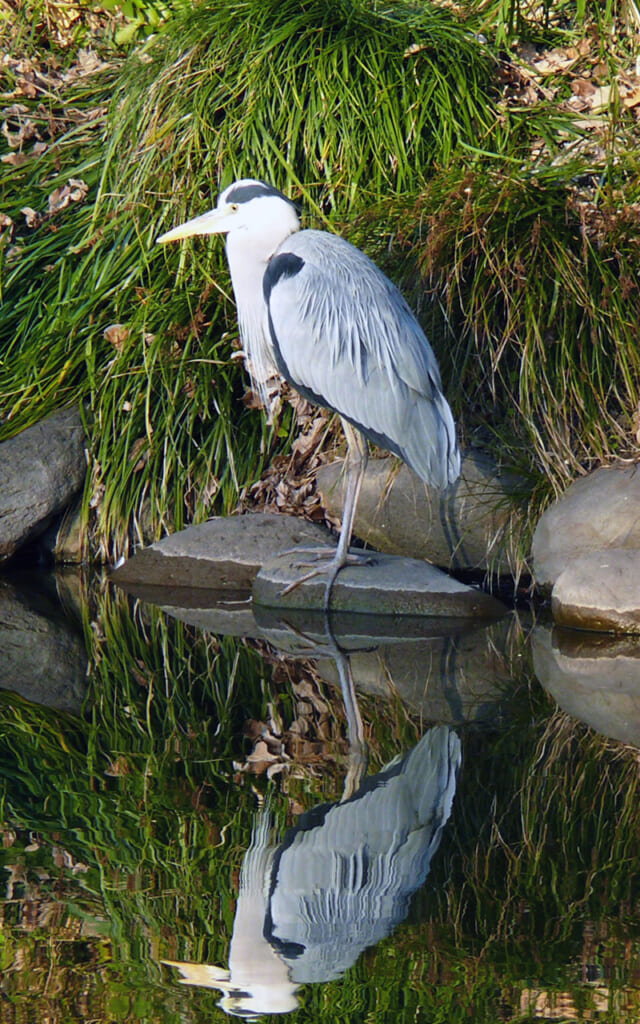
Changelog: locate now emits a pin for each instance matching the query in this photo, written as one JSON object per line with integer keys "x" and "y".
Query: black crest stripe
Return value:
{"x": 285, "y": 265}
{"x": 245, "y": 193}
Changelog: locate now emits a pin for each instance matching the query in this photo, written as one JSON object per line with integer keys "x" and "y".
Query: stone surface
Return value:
{"x": 467, "y": 527}
{"x": 64, "y": 542}
{"x": 595, "y": 679}
{"x": 223, "y": 553}
{"x": 600, "y": 591}
{"x": 41, "y": 469}
{"x": 596, "y": 512}
{"x": 389, "y": 585}
{"x": 225, "y": 612}
{"x": 43, "y": 658}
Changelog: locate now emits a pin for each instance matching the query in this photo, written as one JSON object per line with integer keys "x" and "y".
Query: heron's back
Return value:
{"x": 344, "y": 336}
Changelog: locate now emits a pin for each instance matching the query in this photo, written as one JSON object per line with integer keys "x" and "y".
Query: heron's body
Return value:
{"x": 358, "y": 349}
{"x": 321, "y": 313}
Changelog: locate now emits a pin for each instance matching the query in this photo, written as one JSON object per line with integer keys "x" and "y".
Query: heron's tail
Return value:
{"x": 431, "y": 447}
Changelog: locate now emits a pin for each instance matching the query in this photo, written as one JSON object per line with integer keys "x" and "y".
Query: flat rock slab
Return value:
{"x": 221, "y": 554}
{"x": 41, "y": 469}
{"x": 596, "y": 512}
{"x": 600, "y": 591}
{"x": 468, "y": 526}
{"x": 391, "y": 585}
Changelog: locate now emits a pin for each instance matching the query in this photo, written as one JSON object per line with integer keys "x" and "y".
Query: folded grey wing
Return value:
{"x": 344, "y": 336}
{"x": 342, "y": 879}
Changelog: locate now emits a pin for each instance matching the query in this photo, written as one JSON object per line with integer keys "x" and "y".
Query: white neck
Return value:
{"x": 249, "y": 250}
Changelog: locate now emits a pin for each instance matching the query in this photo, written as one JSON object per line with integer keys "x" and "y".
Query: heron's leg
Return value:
{"x": 357, "y": 456}
{"x": 355, "y": 466}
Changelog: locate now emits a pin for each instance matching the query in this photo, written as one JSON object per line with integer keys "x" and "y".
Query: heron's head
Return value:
{"x": 253, "y": 208}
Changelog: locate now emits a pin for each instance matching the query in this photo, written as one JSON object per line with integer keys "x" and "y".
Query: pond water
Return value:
{"x": 183, "y": 783}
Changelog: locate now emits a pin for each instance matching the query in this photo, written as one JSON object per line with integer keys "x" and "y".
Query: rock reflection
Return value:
{"x": 594, "y": 677}
{"x": 44, "y": 658}
{"x": 445, "y": 671}
{"x": 339, "y": 881}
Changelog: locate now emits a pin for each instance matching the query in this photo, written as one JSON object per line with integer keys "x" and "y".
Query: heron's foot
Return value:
{"x": 332, "y": 567}
{"x": 309, "y": 556}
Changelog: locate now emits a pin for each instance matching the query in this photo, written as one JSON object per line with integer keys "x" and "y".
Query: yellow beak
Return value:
{"x": 215, "y": 222}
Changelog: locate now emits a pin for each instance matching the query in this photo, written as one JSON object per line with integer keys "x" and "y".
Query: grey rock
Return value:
{"x": 44, "y": 658}
{"x": 470, "y": 526}
{"x": 388, "y": 585}
{"x": 600, "y": 591}
{"x": 446, "y": 670}
{"x": 596, "y": 512}
{"x": 41, "y": 469}
{"x": 595, "y": 679}
{"x": 224, "y": 553}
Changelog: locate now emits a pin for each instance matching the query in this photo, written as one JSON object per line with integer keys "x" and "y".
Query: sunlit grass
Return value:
{"x": 391, "y": 126}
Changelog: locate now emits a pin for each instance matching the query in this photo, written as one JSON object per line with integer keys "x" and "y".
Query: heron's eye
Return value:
{"x": 234, "y": 207}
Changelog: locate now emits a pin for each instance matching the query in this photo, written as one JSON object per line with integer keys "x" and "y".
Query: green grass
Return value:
{"x": 537, "y": 288}
{"x": 512, "y": 226}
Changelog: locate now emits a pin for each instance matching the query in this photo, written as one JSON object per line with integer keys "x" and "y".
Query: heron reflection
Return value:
{"x": 339, "y": 881}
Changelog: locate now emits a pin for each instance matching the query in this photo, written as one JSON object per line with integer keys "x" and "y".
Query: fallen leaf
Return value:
{"x": 14, "y": 159}
{"x": 118, "y": 767}
{"x": 74, "y": 191}
{"x": 32, "y": 217}
{"x": 116, "y": 335}
{"x": 632, "y": 99}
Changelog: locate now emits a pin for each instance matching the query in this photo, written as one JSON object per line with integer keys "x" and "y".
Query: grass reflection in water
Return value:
{"x": 125, "y": 828}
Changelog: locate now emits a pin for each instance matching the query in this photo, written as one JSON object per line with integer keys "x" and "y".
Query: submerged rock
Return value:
{"x": 41, "y": 470}
{"x": 451, "y": 677}
{"x": 469, "y": 526}
{"x": 600, "y": 592}
{"x": 597, "y": 512}
{"x": 44, "y": 658}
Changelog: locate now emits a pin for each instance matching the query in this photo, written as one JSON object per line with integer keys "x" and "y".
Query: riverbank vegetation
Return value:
{"x": 485, "y": 153}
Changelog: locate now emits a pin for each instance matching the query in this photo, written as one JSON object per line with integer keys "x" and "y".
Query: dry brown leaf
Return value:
{"x": 118, "y": 767}
{"x": 583, "y": 88}
{"x": 32, "y": 217}
{"x": 632, "y": 99}
{"x": 17, "y": 140}
{"x": 140, "y": 445}
{"x": 14, "y": 159}
{"x": 8, "y": 838}
{"x": 116, "y": 335}
{"x": 75, "y": 191}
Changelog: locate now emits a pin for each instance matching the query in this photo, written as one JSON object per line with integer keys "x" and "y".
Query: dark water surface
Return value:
{"x": 183, "y": 783}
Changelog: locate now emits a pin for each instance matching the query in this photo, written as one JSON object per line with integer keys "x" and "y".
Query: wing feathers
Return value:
{"x": 343, "y": 332}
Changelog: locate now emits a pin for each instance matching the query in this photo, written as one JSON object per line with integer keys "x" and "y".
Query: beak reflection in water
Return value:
{"x": 340, "y": 881}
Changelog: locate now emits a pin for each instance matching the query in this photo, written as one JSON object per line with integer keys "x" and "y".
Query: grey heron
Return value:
{"x": 317, "y": 310}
